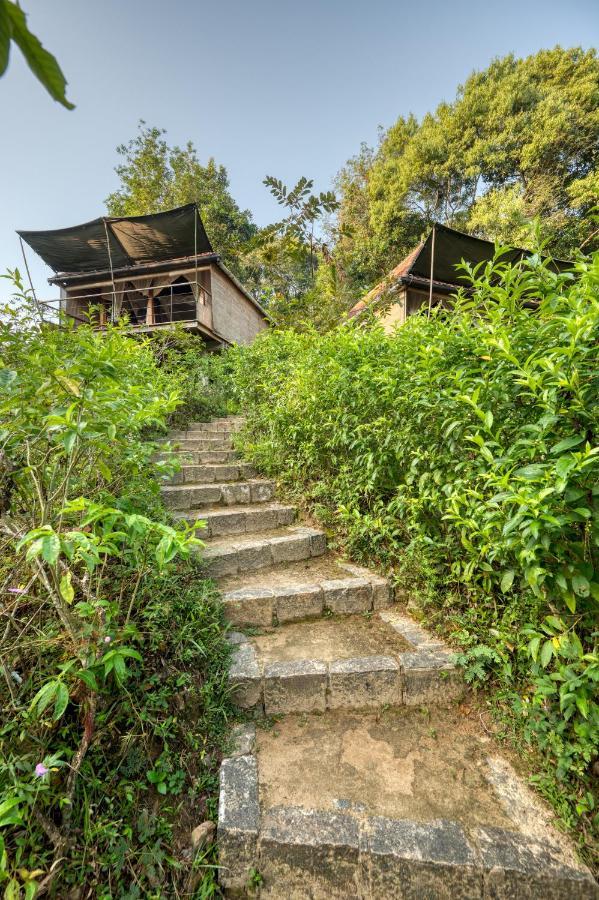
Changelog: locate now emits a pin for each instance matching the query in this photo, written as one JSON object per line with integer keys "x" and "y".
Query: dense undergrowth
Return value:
{"x": 112, "y": 653}
{"x": 461, "y": 453}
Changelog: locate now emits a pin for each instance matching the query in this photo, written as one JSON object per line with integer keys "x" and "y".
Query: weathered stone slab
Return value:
{"x": 236, "y": 637}
{"x": 298, "y": 602}
{"x": 296, "y": 686}
{"x": 347, "y": 595}
{"x": 238, "y": 822}
{"x": 411, "y": 631}
{"x": 233, "y": 493}
{"x": 364, "y": 683}
{"x": 243, "y": 739}
{"x": 249, "y": 607}
{"x": 182, "y": 497}
{"x": 253, "y": 555}
{"x": 244, "y": 677}
{"x": 517, "y": 867}
{"x": 430, "y": 677}
{"x": 220, "y": 561}
{"x": 420, "y": 860}
{"x": 261, "y": 519}
{"x": 290, "y": 547}
{"x": 382, "y": 595}
{"x": 261, "y": 491}
{"x": 309, "y": 853}
{"x": 221, "y": 523}
{"x": 318, "y": 541}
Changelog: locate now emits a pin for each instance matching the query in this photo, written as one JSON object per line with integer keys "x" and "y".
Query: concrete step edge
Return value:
{"x": 327, "y": 853}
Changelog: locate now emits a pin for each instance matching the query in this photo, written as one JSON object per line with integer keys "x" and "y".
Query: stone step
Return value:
{"x": 227, "y": 493}
{"x": 404, "y": 804}
{"x": 242, "y": 519}
{"x": 200, "y": 433}
{"x": 356, "y": 662}
{"x": 200, "y": 457}
{"x": 216, "y": 425}
{"x": 246, "y": 553}
{"x": 308, "y": 589}
{"x": 208, "y": 473}
{"x": 203, "y": 443}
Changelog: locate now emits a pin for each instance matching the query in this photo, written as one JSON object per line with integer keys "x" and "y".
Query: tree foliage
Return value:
{"x": 520, "y": 141}
{"x": 155, "y": 176}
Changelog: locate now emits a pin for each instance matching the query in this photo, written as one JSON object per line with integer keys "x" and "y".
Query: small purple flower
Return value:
{"x": 41, "y": 770}
{"x": 107, "y": 639}
{"x": 17, "y": 591}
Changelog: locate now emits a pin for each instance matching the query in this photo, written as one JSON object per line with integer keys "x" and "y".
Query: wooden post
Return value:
{"x": 150, "y": 310}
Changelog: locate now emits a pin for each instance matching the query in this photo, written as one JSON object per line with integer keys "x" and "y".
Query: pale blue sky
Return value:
{"x": 281, "y": 88}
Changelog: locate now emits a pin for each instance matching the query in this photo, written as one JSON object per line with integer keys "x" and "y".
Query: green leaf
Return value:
{"x": 572, "y": 441}
{"x": 507, "y": 580}
{"x": 4, "y": 50}
{"x": 44, "y": 696}
{"x": 7, "y": 376}
{"x": 546, "y": 653}
{"x": 581, "y": 585}
{"x": 570, "y": 601}
{"x": 533, "y": 647}
{"x": 67, "y": 591}
{"x": 88, "y": 678}
{"x": 61, "y": 702}
{"x": 8, "y": 814}
{"x": 50, "y": 548}
{"x": 43, "y": 65}
{"x": 583, "y": 706}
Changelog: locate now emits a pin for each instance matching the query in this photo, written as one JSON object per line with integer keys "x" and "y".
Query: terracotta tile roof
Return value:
{"x": 388, "y": 282}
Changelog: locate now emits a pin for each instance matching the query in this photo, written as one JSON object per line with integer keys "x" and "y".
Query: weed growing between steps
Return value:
{"x": 461, "y": 452}
{"x": 112, "y": 654}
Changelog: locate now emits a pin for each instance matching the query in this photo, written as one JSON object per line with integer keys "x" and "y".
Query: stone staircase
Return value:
{"x": 356, "y": 774}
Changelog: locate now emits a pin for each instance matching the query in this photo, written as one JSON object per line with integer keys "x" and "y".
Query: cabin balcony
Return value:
{"x": 184, "y": 303}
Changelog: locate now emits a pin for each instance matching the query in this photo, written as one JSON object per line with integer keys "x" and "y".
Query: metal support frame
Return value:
{"x": 35, "y": 300}
{"x": 111, "y": 271}
{"x": 430, "y": 292}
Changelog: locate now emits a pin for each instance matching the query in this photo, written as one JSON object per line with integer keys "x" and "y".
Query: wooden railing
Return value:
{"x": 166, "y": 308}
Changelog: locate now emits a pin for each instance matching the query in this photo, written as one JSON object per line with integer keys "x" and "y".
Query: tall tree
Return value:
{"x": 520, "y": 141}
{"x": 155, "y": 176}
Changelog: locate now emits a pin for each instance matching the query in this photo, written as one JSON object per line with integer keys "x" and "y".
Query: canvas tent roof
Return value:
{"x": 451, "y": 247}
{"x": 132, "y": 240}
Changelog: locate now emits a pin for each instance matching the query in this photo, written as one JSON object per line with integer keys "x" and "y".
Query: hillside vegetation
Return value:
{"x": 461, "y": 453}
{"x": 112, "y": 653}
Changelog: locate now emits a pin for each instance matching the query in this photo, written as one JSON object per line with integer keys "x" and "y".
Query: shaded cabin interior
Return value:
{"x": 153, "y": 272}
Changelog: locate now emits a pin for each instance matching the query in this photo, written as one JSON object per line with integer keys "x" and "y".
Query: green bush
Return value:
{"x": 461, "y": 451}
{"x": 112, "y": 655}
{"x": 202, "y": 378}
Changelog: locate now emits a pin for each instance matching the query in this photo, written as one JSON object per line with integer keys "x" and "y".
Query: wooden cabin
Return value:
{"x": 431, "y": 274}
{"x": 153, "y": 272}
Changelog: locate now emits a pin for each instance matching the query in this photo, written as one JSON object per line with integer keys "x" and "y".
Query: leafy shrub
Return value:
{"x": 111, "y": 640}
{"x": 464, "y": 446}
{"x": 201, "y": 377}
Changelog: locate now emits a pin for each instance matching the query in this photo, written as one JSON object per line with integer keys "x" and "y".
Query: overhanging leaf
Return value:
{"x": 43, "y": 65}
{"x": 4, "y": 37}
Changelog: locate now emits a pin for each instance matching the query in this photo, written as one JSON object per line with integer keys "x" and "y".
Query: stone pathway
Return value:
{"x": 356, "y": 776}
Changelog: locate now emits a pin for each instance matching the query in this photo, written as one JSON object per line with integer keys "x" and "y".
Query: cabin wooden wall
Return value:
{"x": 234, "y": 317}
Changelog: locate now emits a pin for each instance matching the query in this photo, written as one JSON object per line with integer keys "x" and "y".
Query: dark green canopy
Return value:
{"x": 133, "y": 240}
